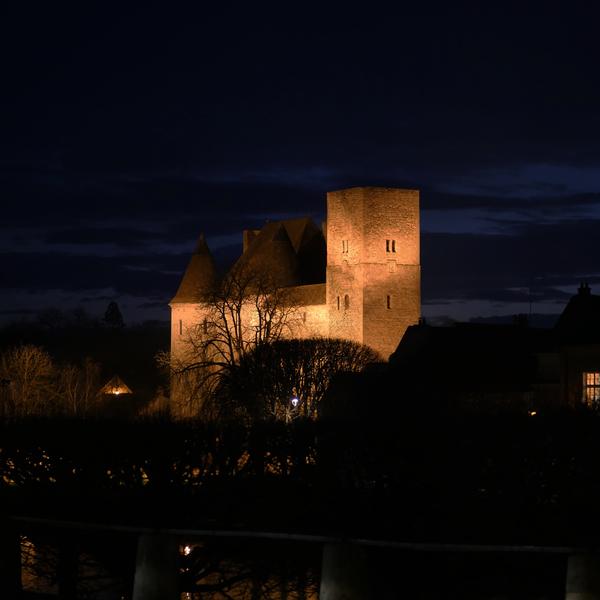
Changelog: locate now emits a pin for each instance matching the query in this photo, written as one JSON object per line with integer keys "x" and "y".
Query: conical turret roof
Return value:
{"x": 272, "y": 252}
{"x": 199, "y": 277}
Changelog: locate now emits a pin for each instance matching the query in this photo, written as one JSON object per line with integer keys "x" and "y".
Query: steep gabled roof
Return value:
{"x": 271, "y": 252}
{"x": 199, "y": 276}
{"x": 296, "y": 230}
{"x": 115, "y": 385}
{"x": 292, "y": 251}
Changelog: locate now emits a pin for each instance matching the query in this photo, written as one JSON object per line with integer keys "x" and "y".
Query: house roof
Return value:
{"x": 272, "y": 252}
{"x": 115, "y": 385}
{"x": 199, "y": 276}
{"x": 470, "y": 356}
{"x": 293, "y": 252}
{"x": 580, "y": 320}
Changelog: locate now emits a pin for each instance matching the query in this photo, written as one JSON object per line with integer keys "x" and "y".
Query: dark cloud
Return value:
{"x": 114, "y": 236}
{"x": 503, "y": 268}
{"x": 558, "y": 205}
{"x": 134, "y": 275}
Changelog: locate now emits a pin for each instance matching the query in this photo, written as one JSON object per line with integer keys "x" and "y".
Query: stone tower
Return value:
{"x": 373, "y": 265}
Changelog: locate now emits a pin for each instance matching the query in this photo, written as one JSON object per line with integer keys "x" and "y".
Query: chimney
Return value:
{"x": 584, "y": 289}
{"x": 248, "y": 237}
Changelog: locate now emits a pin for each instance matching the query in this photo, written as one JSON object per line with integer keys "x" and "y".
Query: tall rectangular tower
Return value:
{"x": 373, "y": 265}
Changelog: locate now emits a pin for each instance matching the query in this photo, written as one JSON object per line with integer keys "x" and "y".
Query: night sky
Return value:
{"x": 126, "y": 129}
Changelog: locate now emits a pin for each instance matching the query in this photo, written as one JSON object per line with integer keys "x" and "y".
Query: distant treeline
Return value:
{"x": 77, "y": 340}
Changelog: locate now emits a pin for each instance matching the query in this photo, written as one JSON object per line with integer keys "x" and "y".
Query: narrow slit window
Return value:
{"x": 304, "y": 317}
{"x": 345, "y": 246}
{"x": 338, "y": 303}
{"x": 387, "y": 245}
{"x": 346, "y": 302}
{"x": 205, "y": 326}
{"x": 393, "y": 245}
{"x": 180, "y": 327}
{"x": 389, "y": 301}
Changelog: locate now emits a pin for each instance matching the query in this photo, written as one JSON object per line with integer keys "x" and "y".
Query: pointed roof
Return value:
{"x": 115, "y": 385}
{"x": 292, "y": 251}
{"x": 297, "y": 229}
{"x": 272, "y": 251}
{"x": 199, "y": 276}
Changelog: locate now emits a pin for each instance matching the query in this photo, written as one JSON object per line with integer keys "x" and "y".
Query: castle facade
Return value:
{"x": 358, "y": 277}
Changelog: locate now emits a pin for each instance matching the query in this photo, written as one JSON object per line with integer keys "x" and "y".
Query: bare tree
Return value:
{"x": 245, "y": 311}
{"x": 34, "y": 385}
{"x": 29, "y": 371}
{"x": 77, "y": 387}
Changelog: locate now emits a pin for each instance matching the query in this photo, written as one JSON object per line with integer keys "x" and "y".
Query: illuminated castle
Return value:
{"x": 358, "y": 278}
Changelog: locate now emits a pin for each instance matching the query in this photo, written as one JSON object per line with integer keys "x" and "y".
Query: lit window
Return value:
{"x": 591, "y": 388}
{"x": 389, "y": 301}
{"x": 346, "y": 302}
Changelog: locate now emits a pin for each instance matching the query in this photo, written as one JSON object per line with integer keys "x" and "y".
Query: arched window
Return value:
{"x": 346, "y": 302}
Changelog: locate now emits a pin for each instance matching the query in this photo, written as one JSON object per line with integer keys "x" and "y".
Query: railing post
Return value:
{"x": 67, "y": 567}
{"x": 10, "y": 561}
{"x": 583, "y": 577}
{"x": 344, "y": 573}
{"x": 156, "y": 569}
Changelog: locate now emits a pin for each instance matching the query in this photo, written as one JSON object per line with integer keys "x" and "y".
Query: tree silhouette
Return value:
{"x": 113, "y": 316}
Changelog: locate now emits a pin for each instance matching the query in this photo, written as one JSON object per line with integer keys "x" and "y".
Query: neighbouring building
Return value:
{"x": 495, "y": 366}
